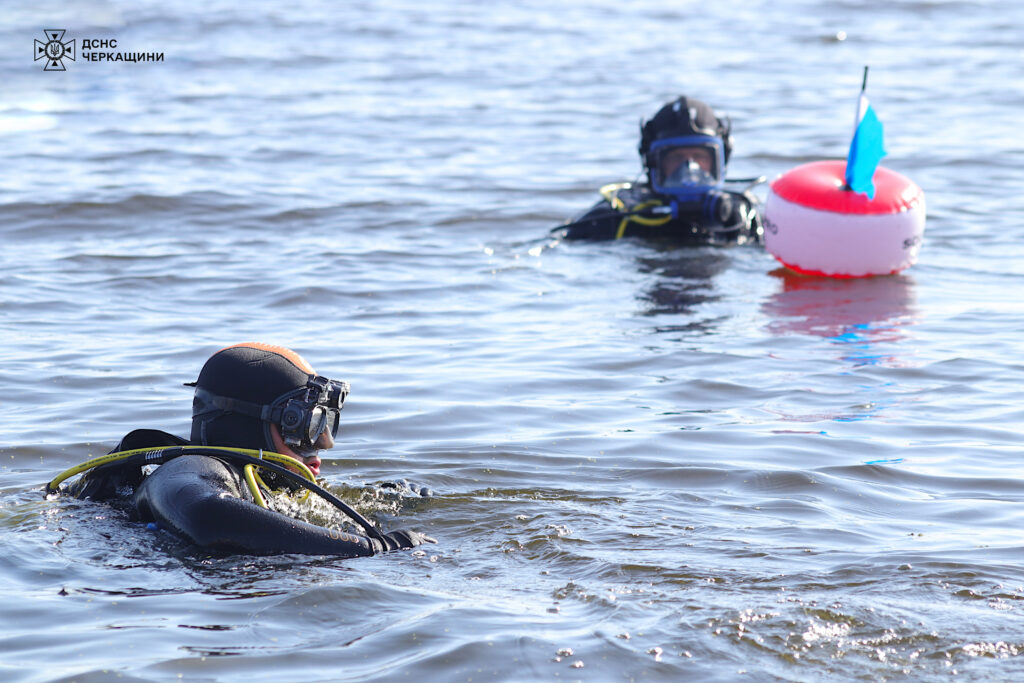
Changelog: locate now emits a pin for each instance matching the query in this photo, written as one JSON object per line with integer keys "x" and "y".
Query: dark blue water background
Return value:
{"x": 649, "y": 463}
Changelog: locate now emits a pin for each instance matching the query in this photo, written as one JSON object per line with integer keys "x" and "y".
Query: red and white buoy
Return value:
{"x": 814, "y": 226}
{"x": 848, "y": 218}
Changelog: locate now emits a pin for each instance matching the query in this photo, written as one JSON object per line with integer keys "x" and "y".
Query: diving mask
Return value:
{"x": 687, "y": 166}
{"x": 301, "y": 414}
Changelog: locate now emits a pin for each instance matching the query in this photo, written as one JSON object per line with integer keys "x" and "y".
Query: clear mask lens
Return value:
{"x": 687, "y": 166}
{"x": 689, "y": 173}
{"x": 690, "y": 165}
{"x": 307, "y": 419}
{"x": 317, "y": 423}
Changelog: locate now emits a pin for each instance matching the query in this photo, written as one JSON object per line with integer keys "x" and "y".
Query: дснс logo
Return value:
{"x": 54, "y": 50}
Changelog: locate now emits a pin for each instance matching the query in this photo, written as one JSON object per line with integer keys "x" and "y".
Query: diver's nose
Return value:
{"x": 325, "y": 441}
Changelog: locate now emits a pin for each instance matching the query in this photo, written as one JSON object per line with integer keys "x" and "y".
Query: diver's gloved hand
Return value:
{"x": 406, "y": 489}
{"x": 401, "y": 539}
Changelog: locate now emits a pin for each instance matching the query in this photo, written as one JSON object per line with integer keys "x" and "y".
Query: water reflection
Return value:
{"x": 861, "y": 316}
{"x": 685, "y": 279}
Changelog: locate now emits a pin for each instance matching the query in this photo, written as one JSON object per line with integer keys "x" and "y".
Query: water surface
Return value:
{"x": 648, "y": 463}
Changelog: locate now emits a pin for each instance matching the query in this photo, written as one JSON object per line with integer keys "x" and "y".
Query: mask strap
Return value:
{"x": 234, "y": 405}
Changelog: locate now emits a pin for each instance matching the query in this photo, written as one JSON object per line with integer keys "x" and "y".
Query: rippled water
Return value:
{"x": 647, "y": 463}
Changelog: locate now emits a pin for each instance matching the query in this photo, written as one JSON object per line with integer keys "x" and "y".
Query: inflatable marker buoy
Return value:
{"x": 814, "y": 226}
{"x": 829, "y": 218}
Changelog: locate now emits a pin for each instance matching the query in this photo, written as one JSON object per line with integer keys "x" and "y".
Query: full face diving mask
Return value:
{"x": 301, "y": 414}
{"x": 690, "y": 170}
{"x": 686, "y": 166}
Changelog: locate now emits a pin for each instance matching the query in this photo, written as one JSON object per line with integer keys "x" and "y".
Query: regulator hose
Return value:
{"x": 265, "y": 459}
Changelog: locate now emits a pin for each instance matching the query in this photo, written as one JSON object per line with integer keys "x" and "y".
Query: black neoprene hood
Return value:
{"x": 681, "y": 117}
{"x": 258, "y": 373}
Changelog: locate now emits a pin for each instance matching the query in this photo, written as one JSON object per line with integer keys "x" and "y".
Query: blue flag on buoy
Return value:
{"x": 867, "y": 147}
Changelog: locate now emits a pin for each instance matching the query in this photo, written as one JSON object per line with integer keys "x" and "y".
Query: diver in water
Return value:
{"x": 684, "y": 149}
{"x": 249, "y": 398}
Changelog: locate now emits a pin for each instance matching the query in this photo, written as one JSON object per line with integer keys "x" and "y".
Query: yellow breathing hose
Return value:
{"x": 248, "y": 471}
{"x": 249, "y": 474}
{"x": 611, "y": 193}
{"x": 642, "y": 220}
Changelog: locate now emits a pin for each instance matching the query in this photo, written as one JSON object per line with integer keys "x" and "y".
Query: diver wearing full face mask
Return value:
{"x": 686, "y": 198}
{"x": 255, "y": 406}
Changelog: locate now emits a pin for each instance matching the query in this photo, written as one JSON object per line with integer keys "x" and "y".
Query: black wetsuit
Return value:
{"x": 635, "y": 210}
{"x": 204, "y": 500}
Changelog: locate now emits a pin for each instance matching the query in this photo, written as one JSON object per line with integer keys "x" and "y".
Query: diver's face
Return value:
{"x": 680, "y": 156}
{"x": 309, "y": 459}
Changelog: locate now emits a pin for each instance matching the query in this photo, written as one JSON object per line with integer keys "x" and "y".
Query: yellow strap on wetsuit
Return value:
{"x": 278, "y": 458}
{"x": 611, "y": 193}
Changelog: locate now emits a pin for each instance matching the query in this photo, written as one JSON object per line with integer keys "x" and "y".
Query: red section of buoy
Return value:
{"x": 819, "y": 185}
{"x": 820, "y": 273}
